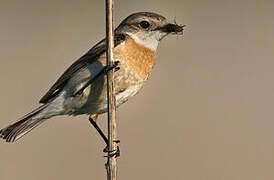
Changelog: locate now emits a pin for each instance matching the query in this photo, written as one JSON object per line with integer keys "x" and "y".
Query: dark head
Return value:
{"x": 148, "y": 28}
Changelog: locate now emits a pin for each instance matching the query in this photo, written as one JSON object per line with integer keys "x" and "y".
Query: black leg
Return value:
{"x": 98, "y": 130}
{"x": 116, "y": 152}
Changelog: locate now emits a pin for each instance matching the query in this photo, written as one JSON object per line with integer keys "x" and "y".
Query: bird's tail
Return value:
{"x": 23, "y": 125}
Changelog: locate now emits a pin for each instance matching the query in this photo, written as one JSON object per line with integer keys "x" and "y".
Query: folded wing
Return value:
{"x": 91, "y": 56}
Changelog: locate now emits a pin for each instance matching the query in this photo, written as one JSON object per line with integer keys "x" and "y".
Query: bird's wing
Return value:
{"x": 91, "y": 56}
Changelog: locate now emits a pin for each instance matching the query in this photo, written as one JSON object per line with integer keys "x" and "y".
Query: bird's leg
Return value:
{"x": 116, "y": 153}
{"x": 92, "y": 120}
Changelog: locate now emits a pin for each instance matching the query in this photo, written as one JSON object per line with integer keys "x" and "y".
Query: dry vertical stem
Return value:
{"x": 111, "y": 165}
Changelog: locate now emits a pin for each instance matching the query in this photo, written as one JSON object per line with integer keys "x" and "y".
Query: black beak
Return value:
{"x": 172, "y": 28}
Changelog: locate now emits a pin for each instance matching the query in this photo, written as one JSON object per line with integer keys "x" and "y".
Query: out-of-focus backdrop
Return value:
{"x": 206, "y": 113}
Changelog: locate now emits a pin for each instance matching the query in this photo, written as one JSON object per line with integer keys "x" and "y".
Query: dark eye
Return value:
{"x": 144, "y": 24}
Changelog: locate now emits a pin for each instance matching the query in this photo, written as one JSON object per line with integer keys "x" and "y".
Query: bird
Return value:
{"x": 82, "y": 88}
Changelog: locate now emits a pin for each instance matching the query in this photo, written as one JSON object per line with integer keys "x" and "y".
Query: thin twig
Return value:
{"x": 111, "y": 165}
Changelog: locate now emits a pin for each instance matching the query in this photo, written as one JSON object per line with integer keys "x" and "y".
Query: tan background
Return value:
{"x": 206, "y": 113}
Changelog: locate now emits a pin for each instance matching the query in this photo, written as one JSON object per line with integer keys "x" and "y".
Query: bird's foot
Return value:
{"x": 115, "y": 153}
{"x": 114, "y": 66}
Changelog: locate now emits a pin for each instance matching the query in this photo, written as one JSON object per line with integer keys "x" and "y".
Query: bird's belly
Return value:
{"x": 131, "y": 91}
{"x": 121, "y": 97}
{"x": 96, "y": 103}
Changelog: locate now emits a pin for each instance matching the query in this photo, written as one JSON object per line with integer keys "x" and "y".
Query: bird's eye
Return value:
{"x": 144, "y": 24}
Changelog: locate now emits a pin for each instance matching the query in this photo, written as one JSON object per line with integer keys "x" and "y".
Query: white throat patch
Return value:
{"x": 149, "y": 41}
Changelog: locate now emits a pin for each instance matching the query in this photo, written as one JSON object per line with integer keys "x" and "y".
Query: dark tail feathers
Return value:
{"x": 22, "y": 126}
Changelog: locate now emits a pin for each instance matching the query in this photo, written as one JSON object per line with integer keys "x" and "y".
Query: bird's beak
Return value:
{"x": 172, "y": 28}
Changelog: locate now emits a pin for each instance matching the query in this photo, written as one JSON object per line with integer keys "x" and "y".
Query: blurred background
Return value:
{"x": 206, "y": 113}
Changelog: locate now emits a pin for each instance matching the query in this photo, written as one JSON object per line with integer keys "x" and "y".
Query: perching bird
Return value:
{"x": 82, "y": 87}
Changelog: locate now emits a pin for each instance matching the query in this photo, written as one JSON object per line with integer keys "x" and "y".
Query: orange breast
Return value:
{"x": 139, "y": 59}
